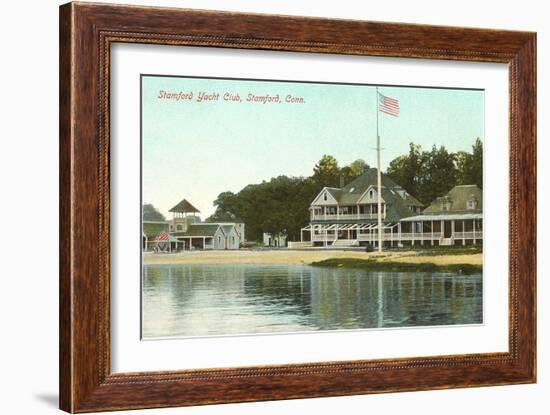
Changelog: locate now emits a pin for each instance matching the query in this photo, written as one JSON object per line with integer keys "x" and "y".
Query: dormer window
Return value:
{"x": 471, "y": 203}
{"x": 352, "y": 189}
{"x": 179, "y": 227}
{"x": 371, "y": 194}
{"x": 446, "y": 203}
{"x": 325, "y": 197}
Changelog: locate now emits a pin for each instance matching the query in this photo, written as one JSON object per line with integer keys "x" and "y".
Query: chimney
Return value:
{"x": 342, "y": 183}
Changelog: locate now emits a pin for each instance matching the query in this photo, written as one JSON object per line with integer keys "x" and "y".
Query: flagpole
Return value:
{"x": 379, "y": 175}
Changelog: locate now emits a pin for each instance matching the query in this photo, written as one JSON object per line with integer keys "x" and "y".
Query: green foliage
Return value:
{"x": 149, "y": 212}
{"x": 327, "y": 172}
{"x": 358, "y": 166}
{"x": 281, "y": 205}
{"x": 405, "y": 170}
{"x": 470, "y": 166}
{"x": 430, "y": 174}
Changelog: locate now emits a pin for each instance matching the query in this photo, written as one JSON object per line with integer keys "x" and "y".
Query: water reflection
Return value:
{"x": 199, "y": 300}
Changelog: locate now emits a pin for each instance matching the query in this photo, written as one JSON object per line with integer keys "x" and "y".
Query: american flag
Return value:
{"x": 388, "y": 105}
{"x": 163, "y": 236}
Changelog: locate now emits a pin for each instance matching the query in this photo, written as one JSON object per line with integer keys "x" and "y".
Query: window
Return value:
{"x": 472, "y": 204}
{"x": 179, "y": 227}
{"x": 371, "y": 194}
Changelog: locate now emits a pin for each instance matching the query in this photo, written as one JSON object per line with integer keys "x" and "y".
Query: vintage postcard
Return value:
{"x": 281, "y": 206}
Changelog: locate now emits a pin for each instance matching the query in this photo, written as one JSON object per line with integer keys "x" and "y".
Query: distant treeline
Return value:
{"x": 281, "y": 204}
{"x": 430, "y": 174}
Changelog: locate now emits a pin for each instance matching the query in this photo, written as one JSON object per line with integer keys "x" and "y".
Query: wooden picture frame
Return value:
{"x": 86, "y": 33}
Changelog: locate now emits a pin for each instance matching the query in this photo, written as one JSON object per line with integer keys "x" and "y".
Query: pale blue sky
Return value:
{"x": 197, "y": 150}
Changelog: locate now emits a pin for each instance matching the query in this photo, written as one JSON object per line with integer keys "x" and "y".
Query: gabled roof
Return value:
{"x": 228, "y": 228}
{"x": 184, "y": 207}
{"x": 335, "y": 192}
{"x": 395, "y": 197}
{"x": 457, "y": 198}
{"x": 200, "y": 229}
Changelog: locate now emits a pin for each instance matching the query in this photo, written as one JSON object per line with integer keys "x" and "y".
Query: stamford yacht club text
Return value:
{"x": 230, "y": 97}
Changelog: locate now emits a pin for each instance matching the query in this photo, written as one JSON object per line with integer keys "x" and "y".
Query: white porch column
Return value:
{"x": 463, "y": 232}
{"x": 453, "y": 230}
{"x": 432, "y": 225}
{"x": 422, "y": 233}
{"x": 412, "y": 231}
{"x": 399, "y": 232}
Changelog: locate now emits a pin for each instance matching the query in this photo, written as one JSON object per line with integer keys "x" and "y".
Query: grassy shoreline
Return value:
{"x": 395, "y": 266}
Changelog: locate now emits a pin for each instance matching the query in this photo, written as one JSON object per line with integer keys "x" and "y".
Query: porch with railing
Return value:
{"x": 346, "y": 216}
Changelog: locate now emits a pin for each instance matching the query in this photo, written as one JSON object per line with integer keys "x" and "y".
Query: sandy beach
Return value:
{"x": 284, "y": 256}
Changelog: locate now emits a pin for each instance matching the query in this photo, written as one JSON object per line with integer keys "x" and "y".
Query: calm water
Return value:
{"x": 199, "y": 300}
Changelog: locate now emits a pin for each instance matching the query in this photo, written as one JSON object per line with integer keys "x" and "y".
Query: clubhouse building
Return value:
{"x": 348, "y": 216}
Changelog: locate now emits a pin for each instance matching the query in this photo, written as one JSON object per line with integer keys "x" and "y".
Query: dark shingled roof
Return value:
{"x": 396, "y": 198}
{"x": 201, "y": 229}
{"x": 351, "y": 193}
{"x": 184, "y": 207}
{"x": 334, "y": 192}
{"x": 151, "y": 228}
{"x": 458, "y": 197}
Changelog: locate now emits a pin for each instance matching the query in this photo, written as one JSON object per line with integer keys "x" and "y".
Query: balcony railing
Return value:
{"x": 420, "y": 236}
{"x": 345, "y": 216}
{"x": 468, "y": 235}
{"x": 396, "y": 236}
{"x": 322, "y": 237}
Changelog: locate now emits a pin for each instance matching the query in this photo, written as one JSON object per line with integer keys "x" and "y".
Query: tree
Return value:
{"x": 358, "y": 166}
{"x": 326, "y": 172}
{"x": 407, "y": 170}
{"x": 430, "y": 174}
{"x": 281, "y": 205}
{"x": 470, "y": 166}
{"x": 278, "y": 206}
{"x": 151, "y": 213}
{"x": 226, "y": 207}
{"x": 438, "y": 174}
